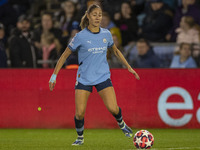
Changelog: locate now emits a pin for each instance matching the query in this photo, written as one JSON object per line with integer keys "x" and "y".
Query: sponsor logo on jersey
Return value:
{"x": 97, "y": 49}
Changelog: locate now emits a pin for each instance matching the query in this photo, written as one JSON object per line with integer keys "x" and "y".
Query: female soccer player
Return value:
{"x": 92, "y": 43}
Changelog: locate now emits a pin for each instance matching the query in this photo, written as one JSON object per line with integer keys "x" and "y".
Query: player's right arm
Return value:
{"x": 59, "y": 65}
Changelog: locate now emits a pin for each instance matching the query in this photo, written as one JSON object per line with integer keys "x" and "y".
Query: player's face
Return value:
{"x": 95, "y": 17}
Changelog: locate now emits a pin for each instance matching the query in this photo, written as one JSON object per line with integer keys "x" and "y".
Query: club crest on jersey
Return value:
{"x": 104, "y": 40}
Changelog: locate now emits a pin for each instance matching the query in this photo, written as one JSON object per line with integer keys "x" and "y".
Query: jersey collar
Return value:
{"x": 93, "y": 32}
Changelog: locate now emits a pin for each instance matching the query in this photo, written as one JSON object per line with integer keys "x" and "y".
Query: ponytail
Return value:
{"x": 84, "y": 20}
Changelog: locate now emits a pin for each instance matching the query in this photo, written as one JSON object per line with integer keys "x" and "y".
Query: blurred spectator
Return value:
{"x": 188, "y": 8}
{"x": 110, "y": 25}
{"x": 8, "y": 16}
{"x": 37, "y": 6}
{"x": 106, "y": 21}
{"x": 198, "y": 2}
{"x": 127, "y": 22}
{"x": 171, "y": 3}
{"x": 187, "y": 33}
{"x": 97, "y": 2}
{"x": 46, "y": 26}
{"x": 72, "y": 60}
{"x": 50, "y": 49}
{"x": 196, "y": 53}
{"x": 3, "y": 56}
{"x": 3, "y": 37}
{"x": 20, "y": 6}
{"x": 157, "y": 21}
{"x": 67, "y": 16}
{"x": 104, "y": 4}
{"x": 146, "y": 57}
{"x": 116, "y": 31}
{"x": 84, "y": 5}
{"x": 113, "y": 61}
{"x": 22, "y": 50}
{"x": 184, "y": 59}
{"x": 137, "y": 6}
{"x": 75, "y": 29}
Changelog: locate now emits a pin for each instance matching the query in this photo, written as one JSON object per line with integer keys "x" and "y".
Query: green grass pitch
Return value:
{"x": 95, "y": 139}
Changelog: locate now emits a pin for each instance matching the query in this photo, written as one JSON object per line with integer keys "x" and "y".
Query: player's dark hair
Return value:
{"x": 84, "y": 20}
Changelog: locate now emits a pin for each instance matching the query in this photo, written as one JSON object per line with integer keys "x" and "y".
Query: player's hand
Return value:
{"x": 52, "y": 82}
{"x": 130, "y": 69}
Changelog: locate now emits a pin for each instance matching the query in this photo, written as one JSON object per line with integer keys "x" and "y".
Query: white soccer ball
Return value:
{"x": 143, "y": 139}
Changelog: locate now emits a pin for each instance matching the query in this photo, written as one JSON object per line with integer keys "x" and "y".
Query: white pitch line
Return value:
{"x": 178, "y": 148}
{"x": 185, "y": 148}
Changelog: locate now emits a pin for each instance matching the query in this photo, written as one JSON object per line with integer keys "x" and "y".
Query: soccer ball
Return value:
{"x": 143, "y": 139}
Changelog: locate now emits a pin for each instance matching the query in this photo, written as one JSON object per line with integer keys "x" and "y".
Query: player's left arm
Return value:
{"x": 123, "y": 60}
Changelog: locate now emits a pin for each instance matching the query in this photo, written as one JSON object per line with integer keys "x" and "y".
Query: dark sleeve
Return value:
{"x": 134, "y": 22}
{"x": 37, "y": 35}
{"x": 53, "y": 55}
{"x": 158, "y": 24}
{"x": 155, "y": 62}
{"x": 176, "y": 21}
{"x": 57, "y": 33}
{"x": 7, "y": 15}
{"x": 3, "y": 59}
{"x": 15, "y": 53}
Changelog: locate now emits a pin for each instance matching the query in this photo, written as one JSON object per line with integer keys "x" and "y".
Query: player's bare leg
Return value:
{"x": 81, "y": 98}
{"x": 109, "y": 99}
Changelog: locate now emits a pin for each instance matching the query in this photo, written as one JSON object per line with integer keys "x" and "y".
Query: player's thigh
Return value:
{"x": 81, "y": 98}
{"x": 109, "y": 98}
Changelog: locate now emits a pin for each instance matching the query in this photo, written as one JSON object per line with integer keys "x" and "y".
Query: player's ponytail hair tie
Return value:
{"x": 84, "y": 20}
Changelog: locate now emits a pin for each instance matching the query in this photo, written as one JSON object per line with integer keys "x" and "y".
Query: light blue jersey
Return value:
{"x": 92, "y": 50}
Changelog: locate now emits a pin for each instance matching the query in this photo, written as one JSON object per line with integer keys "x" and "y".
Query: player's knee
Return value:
{"x": 80, "y": 114}
{"x": 114, "y": 110}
